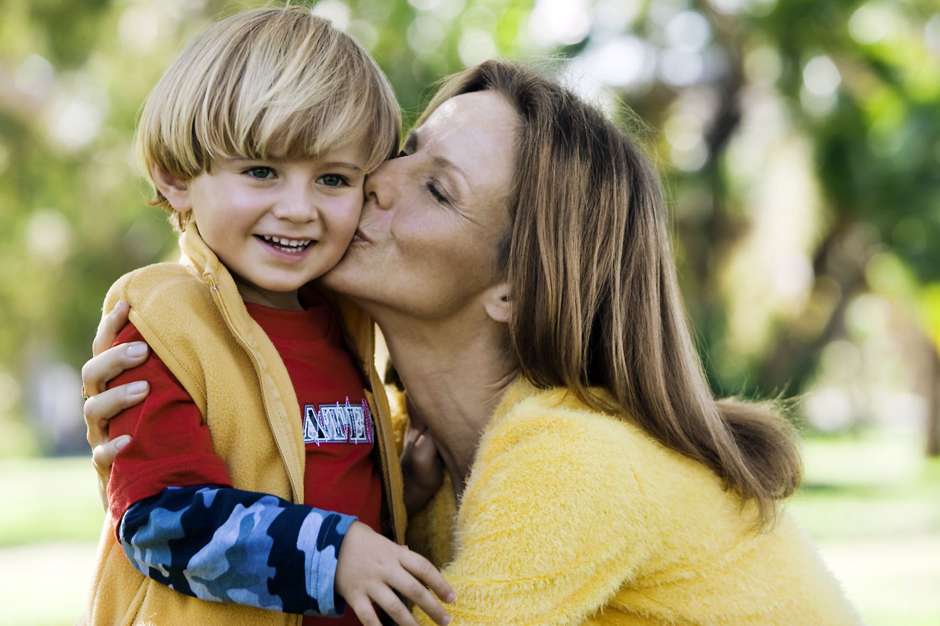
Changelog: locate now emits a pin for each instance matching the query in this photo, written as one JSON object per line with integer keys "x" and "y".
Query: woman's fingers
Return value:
{"x": 98, "y": 370}
{"x": 100, "y": 408}
{"x": 102, "y": 457}
{"x": 103, "y": 454}
{"x": 392, "y": 605}
{"x": 109, "y": 327}
{"x": 425, "y": 450}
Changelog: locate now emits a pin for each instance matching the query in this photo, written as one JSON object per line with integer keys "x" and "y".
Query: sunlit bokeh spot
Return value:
{"x": 688, "y": 30}
{"x": 559, "y": 22}
{"x": 476, "y": 45}
{"x": 336, "y": 11}
{"x": 48, "y": 236}
{"x": 873, "y": 22}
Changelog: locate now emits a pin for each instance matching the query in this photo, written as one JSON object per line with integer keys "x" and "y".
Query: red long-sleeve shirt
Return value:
{"x": 171, "y": 446}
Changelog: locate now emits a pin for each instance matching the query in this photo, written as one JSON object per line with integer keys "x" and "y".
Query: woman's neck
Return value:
{"x": 455, "y": 374}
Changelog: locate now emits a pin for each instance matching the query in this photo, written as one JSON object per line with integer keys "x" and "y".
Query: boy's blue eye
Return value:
{"x": 260, "y": 172}
{"x": 333, "y": 180}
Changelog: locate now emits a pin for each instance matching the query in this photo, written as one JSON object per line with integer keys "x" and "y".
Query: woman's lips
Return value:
{"x": 361, "y": 237}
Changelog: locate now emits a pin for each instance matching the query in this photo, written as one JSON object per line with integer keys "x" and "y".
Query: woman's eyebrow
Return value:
{"x": 412, "y": 140}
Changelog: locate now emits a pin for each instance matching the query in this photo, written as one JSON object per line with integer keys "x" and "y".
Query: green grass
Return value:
{"x": 48, "y": 500}
{"x": 867, "y": 489}
{"x": 872, "y": 505}
{"x": 49, "y": 525}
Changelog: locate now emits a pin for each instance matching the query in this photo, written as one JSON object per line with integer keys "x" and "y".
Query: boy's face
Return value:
{"x": 278, "y": 224}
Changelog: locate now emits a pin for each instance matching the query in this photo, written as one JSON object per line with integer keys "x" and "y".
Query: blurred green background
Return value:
{"x": 800, "y": 141}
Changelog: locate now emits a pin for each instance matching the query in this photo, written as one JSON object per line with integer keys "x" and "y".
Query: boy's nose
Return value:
{"x": 297, "y": 205}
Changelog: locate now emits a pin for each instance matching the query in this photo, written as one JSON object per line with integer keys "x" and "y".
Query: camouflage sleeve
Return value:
{"x": 227, "y": 545}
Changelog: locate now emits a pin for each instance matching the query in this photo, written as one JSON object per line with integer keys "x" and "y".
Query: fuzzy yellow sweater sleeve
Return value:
{"x": 551, "y": 522}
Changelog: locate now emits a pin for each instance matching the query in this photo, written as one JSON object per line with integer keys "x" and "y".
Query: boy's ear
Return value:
{"x": 174, "y": 189}
{"x": 496, "y": 303}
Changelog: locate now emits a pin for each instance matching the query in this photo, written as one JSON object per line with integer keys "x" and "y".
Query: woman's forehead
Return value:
{"x": 475, "y": 131}
{"x": 475, "y": 111}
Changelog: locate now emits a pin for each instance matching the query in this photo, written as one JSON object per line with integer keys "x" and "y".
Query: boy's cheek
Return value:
{"x": 352, "y": 210}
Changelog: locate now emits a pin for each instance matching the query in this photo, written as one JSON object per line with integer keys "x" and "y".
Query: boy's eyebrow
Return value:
{"x": 346, "y": 164}
{"x": 351, "y": 166}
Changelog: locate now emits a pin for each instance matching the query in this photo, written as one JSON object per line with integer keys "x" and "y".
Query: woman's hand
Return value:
{"x": 421, "y": 467}
{"x": 103, "y": 404}
{"x": 375, "y": 570}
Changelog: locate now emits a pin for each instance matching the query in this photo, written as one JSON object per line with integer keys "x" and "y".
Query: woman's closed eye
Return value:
{"x": 437, "y": 192}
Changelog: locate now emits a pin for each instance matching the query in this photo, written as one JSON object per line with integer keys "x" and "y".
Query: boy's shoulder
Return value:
{"x": 159, "y": 288}
{"x": 173, "y": 310}
{"x": 170, "y": 305}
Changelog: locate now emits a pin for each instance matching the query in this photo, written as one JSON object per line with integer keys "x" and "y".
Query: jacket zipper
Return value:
{"x": 216, "y": 296}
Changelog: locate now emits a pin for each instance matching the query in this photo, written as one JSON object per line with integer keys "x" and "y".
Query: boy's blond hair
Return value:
{"x": 261, "y": 84}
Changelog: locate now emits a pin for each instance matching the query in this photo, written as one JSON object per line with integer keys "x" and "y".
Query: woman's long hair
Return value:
{"x": 595, "y": 299}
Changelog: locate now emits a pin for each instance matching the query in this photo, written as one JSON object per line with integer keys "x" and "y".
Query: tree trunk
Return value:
{"x": 933, "y": 402}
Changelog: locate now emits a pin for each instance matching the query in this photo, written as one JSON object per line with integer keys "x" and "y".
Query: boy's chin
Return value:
{"x": 337, "y": 279}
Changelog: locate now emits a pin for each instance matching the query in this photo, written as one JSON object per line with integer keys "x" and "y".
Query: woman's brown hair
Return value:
{"x": 595, "y": 298}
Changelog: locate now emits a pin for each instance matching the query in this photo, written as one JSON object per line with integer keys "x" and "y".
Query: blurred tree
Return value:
{"x": 800, "y": 138}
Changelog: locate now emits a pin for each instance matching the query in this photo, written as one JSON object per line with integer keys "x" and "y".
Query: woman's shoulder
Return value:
{"x": 559, "y": 419}
{"x": 553, "y": 426}
{"x": 544, "y": 441}
{"x": 548, "y": 466}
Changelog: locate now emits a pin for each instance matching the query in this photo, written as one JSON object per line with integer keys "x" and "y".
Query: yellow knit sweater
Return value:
{"x": 571, "y": 516}
{"x": 193, "y": 318}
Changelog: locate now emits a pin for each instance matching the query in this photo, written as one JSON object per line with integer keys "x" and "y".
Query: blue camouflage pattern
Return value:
{"x": 228, "y": 545}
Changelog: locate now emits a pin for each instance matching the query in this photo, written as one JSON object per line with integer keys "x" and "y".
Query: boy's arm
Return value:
{"x": 158, "y": 498}
{"x": 183, "y": 524}
{"x": 227, "y": 545}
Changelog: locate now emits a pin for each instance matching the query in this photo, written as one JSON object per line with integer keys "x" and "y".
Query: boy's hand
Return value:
{"x": 421, "y": 467}
{"x": 372, "y": 568}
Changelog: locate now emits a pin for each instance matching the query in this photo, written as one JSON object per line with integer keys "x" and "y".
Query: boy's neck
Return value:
{"x": 287, "y": 300}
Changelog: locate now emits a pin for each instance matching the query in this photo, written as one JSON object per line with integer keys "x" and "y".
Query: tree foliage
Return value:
{"x": 843, "y": 94}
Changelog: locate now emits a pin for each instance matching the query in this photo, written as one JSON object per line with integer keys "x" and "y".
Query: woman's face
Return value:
{"x": 433, "y": 217}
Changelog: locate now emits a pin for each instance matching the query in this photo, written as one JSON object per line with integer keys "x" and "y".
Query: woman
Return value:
{"x": 517, "y": 260}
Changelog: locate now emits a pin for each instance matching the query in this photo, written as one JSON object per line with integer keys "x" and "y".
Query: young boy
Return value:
{"x": 254, "y": 476}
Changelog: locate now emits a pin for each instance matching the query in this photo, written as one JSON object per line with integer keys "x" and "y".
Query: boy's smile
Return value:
{"x": 286, "y": 245}
{"x": 276, "y": 224}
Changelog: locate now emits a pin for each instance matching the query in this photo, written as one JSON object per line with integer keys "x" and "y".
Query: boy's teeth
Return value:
{"x": 290, "y": 243}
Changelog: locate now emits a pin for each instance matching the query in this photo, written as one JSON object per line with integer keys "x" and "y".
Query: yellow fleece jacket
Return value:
{"x": 571, "y": 516}
{"x": 194, "y": 319}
